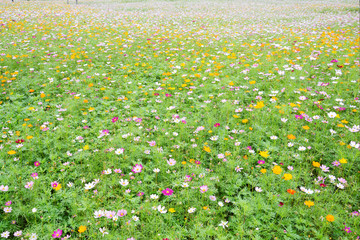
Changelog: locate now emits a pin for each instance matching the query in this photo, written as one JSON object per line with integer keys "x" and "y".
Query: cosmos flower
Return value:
{"x": 57, "y": 233}
{"x": 137, "y": 168}
{"x": 167, "y": 192}
{"x": 204, "y": 189}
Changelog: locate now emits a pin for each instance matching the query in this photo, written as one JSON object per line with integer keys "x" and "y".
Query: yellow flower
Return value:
{"x": 29, "y": 137}
{"x": 287, "y": 176}
{"x": 264, "y": 154}
{"x": 82, "y": 229}
{"x": 263, "y": 170}
{"x": 86, "y": 147}
{"x": 330, "y": 218}
{"x": 309, "y": 203}
{"x": 58, "y": 187}
{"x": 244, "y": 121}
{"x": 172, "y": 210}
{"x": 343, "y": 160}
{"x": 316, "y": 164}
{"x": 306, "y": 127}
{"x": 183, "y": 162}
{"x": 259, "y": 105}
{"x": 207, "y": 149}
{"x": 252, "y": 82}
{"x": 11, "y": 152}
{"x": 277, "y": 170}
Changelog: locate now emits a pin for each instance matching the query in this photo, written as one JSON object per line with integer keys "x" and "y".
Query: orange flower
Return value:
{"x": 292, "y": 192}
{"x": 82, "y": 229}
{"x": 330, "y": 218}
{"x": 277, "y": 170}
{"x": 316, "y": 164}
{"x": 290, "y": 136}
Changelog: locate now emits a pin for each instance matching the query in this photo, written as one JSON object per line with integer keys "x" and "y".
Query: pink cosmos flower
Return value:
{"x": 122, "y": 213}
{"x": 29, "y": 185}
{"x": 137, "y": 168}
{"x": 138, "y": 120}
{"x": 114, "y": 120}
{"x": 35, "y": 175}
{"x": 216, "y": 124}
{"x": 37, "y": 163}
{"x": 204, "y": 188}
{"x": 167, "y": 192}
{"x": 261, "y": 162}
{"x": 8, "y": 203}
{"x": 188, "y": 178}
{"x": 110, "y": 214}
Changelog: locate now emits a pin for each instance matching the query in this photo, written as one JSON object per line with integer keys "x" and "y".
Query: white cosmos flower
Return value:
{"x": 191, "y": 210}
{"x": 124, "y": 182}
{"x": 154, "y": 196}
{"x": 119, "y": 151}
{"x": 302, "y": 148}
{"x": 223, "y": 224}
{"x": 214, "y": 138}
{"x": 332, "y": 114}
{"x": 185, "y": 185}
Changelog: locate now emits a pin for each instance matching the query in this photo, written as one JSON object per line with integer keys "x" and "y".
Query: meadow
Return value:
{"x": 179, "y": 120}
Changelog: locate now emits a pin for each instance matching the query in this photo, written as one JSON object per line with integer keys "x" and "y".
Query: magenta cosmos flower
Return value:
{"x": 216, "y": 124}
{"x": 54, "y": 184}
{"x": 57, "y": 234}
{"x": 167, "y": 192}
{"x": 115, "y": 119}
{"x": 37, "y": 163}
{"x": 137, "y": 168}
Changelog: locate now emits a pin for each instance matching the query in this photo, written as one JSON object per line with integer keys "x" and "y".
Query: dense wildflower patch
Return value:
{"x": 176, "y": 120}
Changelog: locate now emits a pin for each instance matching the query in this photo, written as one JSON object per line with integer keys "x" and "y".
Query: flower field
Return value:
{"x": 180, "y": 120}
